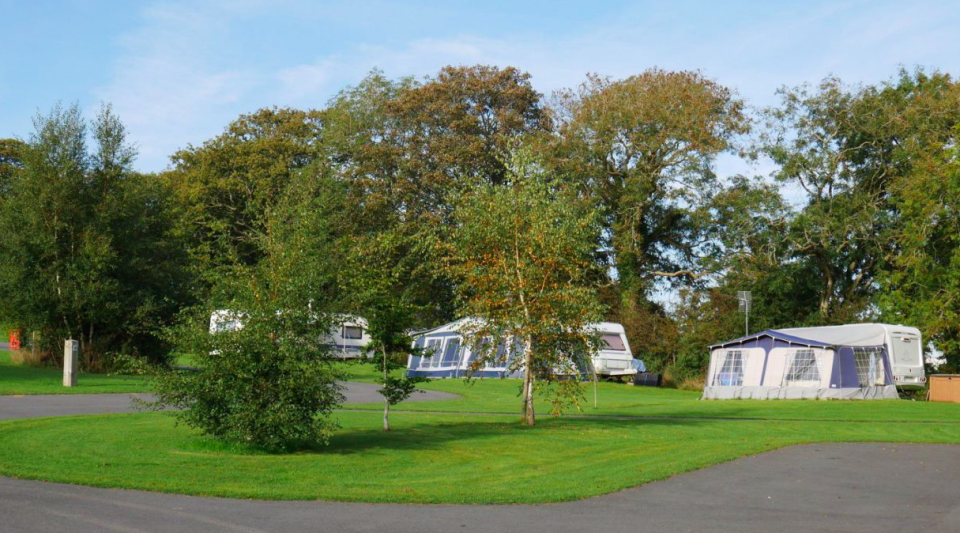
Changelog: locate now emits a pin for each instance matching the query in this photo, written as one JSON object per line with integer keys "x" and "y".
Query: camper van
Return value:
{"x": 346, "y": 339}
{"x": 903, "y": 343}
{"x": 446, "y": 355}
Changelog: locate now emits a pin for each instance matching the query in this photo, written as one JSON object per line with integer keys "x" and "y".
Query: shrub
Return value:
{"x": 269, "y": 384}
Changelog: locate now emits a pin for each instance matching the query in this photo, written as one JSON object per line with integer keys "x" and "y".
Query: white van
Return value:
{"x": 904, "y": 346}
{"x": 347, "y": 338}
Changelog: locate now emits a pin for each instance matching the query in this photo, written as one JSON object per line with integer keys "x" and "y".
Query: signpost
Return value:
{"x": 745, "y": 298}
{"x": 71, "y": 355}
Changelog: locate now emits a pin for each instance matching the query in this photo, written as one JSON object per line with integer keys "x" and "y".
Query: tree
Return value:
{"x": 414, "y": 146}
{"x": 406, "y": 150}
{"x": 818, "y": 142}
{"x": 643, "y": 149}
{"x": 270, "y": 383}
{"x": 920, "y": 284}
{"x": 233, "y": 179}
{"x": 522, "y": 252}
{"x": 378, "y": 281}
{"x": 11, "y": 160}
{"x": 89, "y": 249}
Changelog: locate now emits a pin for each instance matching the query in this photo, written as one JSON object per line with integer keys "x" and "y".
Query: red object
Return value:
{"x": 14, "y": 339}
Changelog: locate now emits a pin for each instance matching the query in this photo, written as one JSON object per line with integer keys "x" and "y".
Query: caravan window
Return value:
{"x": 352, "y": 332}
{"x": 803, "y": 367}
{"x": 498, "y": 359}
{"x": 612, "y": 341}
{"x": 731, "y": 373}
{"x": 431, "y": 357}
{"x": 451, "y": 352}
{"x": 869, "y": 365}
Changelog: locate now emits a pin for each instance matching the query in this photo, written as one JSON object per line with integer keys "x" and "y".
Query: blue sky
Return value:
{"x": 177, "y": 72}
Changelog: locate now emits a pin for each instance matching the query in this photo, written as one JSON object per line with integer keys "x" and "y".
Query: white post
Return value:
{"x": 71, "y": 355}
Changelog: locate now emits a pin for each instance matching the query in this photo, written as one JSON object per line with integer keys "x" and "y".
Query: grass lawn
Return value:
{"x": 450, "y": 456}
{"x": 502, "y": 396}
{"x": 22, "y": 379}
{"x": 427, "y": 458}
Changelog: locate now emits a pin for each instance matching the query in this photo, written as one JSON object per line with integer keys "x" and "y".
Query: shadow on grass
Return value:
{"x": 433, "y": 435}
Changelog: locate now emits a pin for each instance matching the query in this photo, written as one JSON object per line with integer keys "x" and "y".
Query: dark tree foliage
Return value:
{"x": 89, "y": 249}
{"x": 229, "y": 182}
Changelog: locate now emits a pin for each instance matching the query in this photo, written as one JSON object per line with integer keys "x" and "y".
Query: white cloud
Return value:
{"x": 168, "y": 86}
{"x": 182, "y": 76}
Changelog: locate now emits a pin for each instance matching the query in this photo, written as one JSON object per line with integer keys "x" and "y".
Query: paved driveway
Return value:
{"x": 837, "y": 487}
{"x": 33, "y": 406}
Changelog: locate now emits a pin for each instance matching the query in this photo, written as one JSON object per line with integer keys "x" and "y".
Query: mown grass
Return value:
{"x": 24, "y": 379}
{"x": 426, "y": 458}
{"x": 502, "y": 396}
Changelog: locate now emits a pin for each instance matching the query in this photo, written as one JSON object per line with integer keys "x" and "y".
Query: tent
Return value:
{"x": 774, "y": 364}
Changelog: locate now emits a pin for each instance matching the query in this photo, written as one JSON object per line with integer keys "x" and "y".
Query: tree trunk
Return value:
{"x": 386, "y": 399}
{"x": 827, "y": 294}
{"x": 386, "y": 414}
{"x": 529, "y": 418}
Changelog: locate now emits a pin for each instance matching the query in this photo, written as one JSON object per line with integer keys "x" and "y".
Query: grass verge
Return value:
{"x": 23, "y": 379}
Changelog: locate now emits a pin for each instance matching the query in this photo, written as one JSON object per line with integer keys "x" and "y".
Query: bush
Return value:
{"x": 269, "y": 384}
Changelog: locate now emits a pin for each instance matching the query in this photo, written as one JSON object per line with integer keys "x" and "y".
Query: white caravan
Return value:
{"x": 904, "y": 346}
{"x": 614, "y": 358}
{"x": 346, "y": 339}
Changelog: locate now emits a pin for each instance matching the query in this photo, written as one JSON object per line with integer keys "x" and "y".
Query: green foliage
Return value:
{"x": 643, "y": 149}
{"x": 522, "y": 253}
{"x": 11, "y": 160}
{"x": 378, "y": 284}
{"x": 230, "y": 182}
{"x": 89, "y": 249}
{"x": 272, "y": 382}
{"x": 267, "y": 384}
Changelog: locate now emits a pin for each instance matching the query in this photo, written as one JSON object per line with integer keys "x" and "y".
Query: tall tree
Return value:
{"x": 523, "y": 254}
{"x": 231, "y": 181}
{"x": 89, "y": 249}
{"x": 643, "y": 148}
{"x": 817, "y": 140}
{"x": 416, "y": 145}
{"x": 920, "y": 284}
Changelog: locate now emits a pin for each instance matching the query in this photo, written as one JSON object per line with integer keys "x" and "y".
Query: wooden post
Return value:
{"x": 71, "y": 356}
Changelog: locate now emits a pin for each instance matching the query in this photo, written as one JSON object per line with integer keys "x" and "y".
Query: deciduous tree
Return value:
{"x": 523, "y": 255}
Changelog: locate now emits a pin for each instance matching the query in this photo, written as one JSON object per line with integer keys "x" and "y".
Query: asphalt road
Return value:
{"x": 837, "y": 487}
{"x": 33, "y": 406}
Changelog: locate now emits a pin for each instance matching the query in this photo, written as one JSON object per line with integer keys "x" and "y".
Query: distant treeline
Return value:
{"x": 858, "y": 221}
